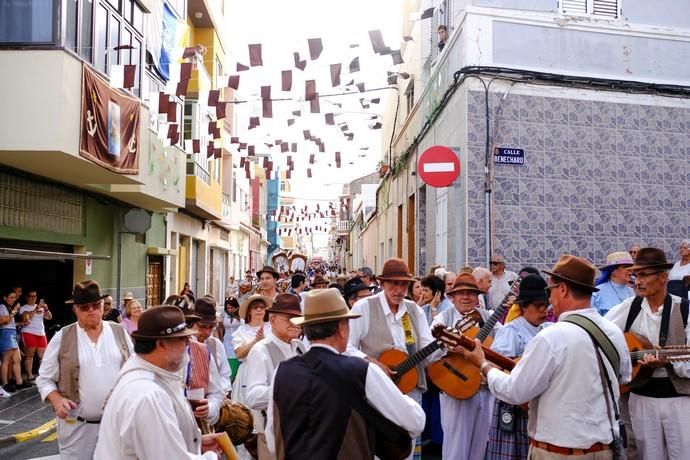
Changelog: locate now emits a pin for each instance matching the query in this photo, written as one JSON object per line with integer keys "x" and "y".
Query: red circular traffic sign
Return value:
{"x": 438, "y": 166}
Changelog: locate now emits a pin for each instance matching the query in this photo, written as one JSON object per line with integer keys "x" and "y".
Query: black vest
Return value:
{"x": 314, "y": 418}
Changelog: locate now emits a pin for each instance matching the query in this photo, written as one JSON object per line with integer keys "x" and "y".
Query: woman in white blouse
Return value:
{"x": 255, "y": 328}
{"x": 230, "y": 323}
{"x": 681, "y": 269}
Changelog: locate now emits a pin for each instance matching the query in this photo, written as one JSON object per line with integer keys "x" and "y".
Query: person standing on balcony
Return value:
{"x": 442, "y": 37}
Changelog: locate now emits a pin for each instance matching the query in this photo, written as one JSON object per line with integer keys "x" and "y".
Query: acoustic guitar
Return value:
{"x": 456, "y": 376}
{"x": 640, "y": 347}
{"x": 404, "y": 366}
{"x": 453, "y": 338}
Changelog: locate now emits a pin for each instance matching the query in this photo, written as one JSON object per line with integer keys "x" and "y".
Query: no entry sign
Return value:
{"x": 438, "y": 166}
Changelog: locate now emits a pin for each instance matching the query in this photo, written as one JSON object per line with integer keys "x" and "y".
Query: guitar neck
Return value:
{"x": 417, "y": 358}
{"x": 497, "y": 313}
{"x": 498, "y": 359}
{"x": 672, "y": 353}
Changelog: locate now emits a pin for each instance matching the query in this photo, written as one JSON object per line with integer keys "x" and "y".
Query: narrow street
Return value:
{"x": 23, "y": 412}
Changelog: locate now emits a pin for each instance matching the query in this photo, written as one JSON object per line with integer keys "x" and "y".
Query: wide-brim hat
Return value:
{"x": 465, "y": 282}
{"x": 651, "y": 258}
{"x": 355, "y": 285}
{"x": 205, "y": 310}
{"x": 616, "y": 259}
{"x": 245, "y": 305}
{"x": 322, "y": 306}
{"x": 128, "y": 296}
{"x": 532, "y": 289}
{"x": 163, "y": 322}
{"x": 286, "y": 304}
{"x": 395, "y": 269}
{"x": 86, "y": 291}
{"x": 268, "y": 269}
{"x": 574, "y": 270}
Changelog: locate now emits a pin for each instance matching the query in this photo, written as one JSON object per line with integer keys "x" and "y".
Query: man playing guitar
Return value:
{"x": 388, "y": 321}
{"x": 660, "y": 409}
{"x": 465, "y": 422}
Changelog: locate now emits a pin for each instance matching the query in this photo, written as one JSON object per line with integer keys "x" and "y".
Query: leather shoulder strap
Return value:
{"x": 599, "y": 337}
{"x": 635, "y": 309}
{"x": 665, "y": 320}
{"x": 684, "y": 307}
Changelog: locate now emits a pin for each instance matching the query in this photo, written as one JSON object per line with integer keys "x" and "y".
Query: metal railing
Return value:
{"x": 195, "y": 169}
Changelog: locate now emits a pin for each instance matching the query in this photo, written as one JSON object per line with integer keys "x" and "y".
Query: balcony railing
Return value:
{"x": 195, "y": 169}
{"x": 343, "y": 226}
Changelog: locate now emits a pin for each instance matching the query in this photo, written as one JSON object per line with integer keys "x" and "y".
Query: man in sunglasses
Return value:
{"x": 79, "y": 368}
{"x": 659, "y": 411}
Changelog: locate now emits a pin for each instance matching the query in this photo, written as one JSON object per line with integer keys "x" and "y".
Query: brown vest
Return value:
{"x": 379, "y": 338}
{"x": 68, "y": 358}
{"x": 676, "y": 336}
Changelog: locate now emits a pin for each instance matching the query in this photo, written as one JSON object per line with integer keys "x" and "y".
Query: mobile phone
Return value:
{"x": 42, "y": 301}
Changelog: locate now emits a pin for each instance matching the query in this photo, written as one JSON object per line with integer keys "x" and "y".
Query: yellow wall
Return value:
{"x": 207, "y": 195}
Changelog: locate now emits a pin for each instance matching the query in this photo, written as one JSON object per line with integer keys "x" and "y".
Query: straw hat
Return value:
{"x": 245, "y": 305}
{"x": 322, "y": 306}
{"x": 617, "y": 258}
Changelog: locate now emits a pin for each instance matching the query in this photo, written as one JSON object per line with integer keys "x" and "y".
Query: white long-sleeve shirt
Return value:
{"x": 648, "y": 324}
{"x": 260, "y": 371}
{"x": 141, "y": 420}
{"x": 383, "y": 396}
{"x": 359, "y": 327}
{"x": 99, "y": 365}
{"x": 221, "y": 359}
{"x": 559, "y": 375}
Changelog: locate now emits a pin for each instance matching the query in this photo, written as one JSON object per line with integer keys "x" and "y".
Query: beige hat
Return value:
{"x": 128, "y": 296}
{"x": 245, "y": 305}
{"x": 322, "y": 306}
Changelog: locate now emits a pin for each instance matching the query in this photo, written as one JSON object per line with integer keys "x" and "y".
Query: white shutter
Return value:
{"x": 574, "y": 6}
{"x": 605, "y": 8}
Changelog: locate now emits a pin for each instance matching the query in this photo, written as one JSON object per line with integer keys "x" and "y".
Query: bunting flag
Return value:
{"x": 255, "y": 58}
{"x": 310, "y": 90}
{"x": 234, "y": 82}
{"x": 335, "y": 74}
{"x": 301, "y": 65}
{"x": 286, "y": 80}
{"x": 315, "y": 48}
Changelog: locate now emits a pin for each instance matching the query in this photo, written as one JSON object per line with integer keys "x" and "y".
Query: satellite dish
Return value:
{"x": 137, "y": 221}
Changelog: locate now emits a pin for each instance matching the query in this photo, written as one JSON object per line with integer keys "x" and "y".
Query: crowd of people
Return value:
{"x": 327, "y": 366}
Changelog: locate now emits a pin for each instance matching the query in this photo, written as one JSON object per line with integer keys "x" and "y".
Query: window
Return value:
{"x": 28, "y": 21}
{"x": 599, "y": 8}
{"x": 409, "y": 96}
{"x": 116, "y": 27}
{"x": 234, "y": 186}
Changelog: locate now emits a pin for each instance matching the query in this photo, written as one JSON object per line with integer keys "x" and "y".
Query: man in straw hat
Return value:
{"x": 571, "y": 413}
{"x": 79, "y": 368}
{"x": 263, "y": 358}
{"x": 308, "y": 416}
{"x": 659, "y": 410}
{"x": 147, "y": 414}
{"x": 466, "y": 421}
{"x": 388, "y": 320}
{"x": 614, "y": 282}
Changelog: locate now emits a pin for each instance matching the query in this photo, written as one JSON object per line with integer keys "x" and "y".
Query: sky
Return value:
{"x": 283, "y": 27}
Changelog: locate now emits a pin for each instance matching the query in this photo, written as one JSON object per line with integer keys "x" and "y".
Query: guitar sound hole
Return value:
{"x": 455, "y": 372}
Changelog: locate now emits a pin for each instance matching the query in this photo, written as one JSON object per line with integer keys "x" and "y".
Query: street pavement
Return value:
{"x": 22, "y": 412}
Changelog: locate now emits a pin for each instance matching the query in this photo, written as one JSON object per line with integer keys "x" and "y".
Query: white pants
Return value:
{"x": 661, "y": 427}
{"x": 77, "y": 441}
{"x": 466, "y": 424}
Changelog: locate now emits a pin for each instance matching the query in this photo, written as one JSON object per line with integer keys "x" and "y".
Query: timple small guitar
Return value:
{"x": 456, "y": 376}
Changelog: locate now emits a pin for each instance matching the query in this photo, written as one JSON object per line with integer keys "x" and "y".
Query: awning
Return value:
{"x": 158, "y": 251}
{"x": 31, "y": 254}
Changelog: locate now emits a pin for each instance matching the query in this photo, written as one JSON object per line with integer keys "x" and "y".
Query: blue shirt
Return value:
{"x": 512, "y": 338}
{"x": 443, "y": 306}
{"x": 609, "y": 295}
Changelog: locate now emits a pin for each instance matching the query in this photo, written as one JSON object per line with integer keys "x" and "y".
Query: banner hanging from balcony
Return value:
{"x": 109, "y": 125}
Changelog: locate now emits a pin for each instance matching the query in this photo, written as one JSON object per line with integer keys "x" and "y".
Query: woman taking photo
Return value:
{"x": 9, "y": 348}
{"x": 33, "y": 331}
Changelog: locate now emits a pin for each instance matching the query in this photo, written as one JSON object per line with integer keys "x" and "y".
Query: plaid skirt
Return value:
{"x": 508, "y": 444}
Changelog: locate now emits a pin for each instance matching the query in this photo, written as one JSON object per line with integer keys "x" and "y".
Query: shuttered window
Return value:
{"x": 599, "y": 8}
